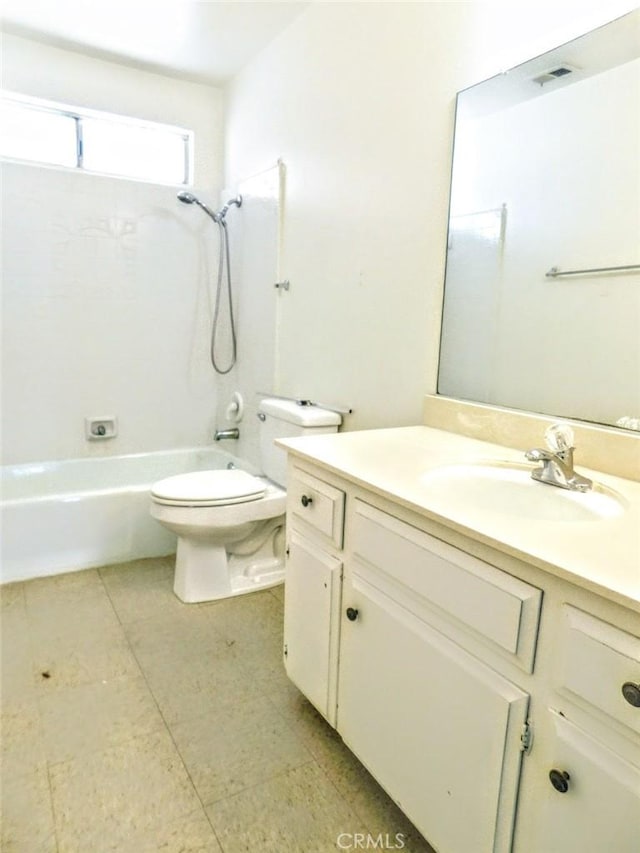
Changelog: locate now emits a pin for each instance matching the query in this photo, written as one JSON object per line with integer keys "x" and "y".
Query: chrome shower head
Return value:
{"x": 186, "y": 198}
{"x": 189, "y": 198}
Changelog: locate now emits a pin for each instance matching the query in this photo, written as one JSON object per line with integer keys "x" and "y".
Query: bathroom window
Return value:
{"x": 53, "y": 134}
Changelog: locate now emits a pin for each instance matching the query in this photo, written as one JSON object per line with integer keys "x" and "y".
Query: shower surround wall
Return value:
{"x": 106, "y": 302}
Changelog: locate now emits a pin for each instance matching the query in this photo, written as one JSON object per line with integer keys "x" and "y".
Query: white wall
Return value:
{"x": 358, "y": 100}
{"x": 106, "y": 307}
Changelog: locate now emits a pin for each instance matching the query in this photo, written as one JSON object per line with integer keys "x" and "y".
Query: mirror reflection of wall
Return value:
{"x": 552, "y": 179}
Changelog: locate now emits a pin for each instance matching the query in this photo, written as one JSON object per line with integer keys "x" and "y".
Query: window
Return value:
{"x": 56, "y": 135}
{"x": 38, "y": 135}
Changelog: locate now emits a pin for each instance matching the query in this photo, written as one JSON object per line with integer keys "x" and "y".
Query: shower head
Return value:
{"x": 189, "y": 198}
{"x": 186, "y": 197}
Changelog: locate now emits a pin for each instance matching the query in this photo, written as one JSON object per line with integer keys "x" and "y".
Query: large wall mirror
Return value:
{"x": 542, "y": 290}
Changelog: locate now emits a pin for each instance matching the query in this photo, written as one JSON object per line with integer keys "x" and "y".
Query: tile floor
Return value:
{"x": 132, "y": 722}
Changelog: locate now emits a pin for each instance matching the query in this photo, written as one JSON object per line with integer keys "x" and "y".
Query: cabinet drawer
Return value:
{"x": 497, "y": 607}
{"x": 596, "y": 661}
{"x": 317, "y": 504}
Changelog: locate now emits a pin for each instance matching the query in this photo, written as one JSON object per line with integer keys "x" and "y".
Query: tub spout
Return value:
{"x": 226, "y": 433}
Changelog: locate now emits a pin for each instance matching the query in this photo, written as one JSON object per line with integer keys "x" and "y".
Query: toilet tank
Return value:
{"x": 288, "y": 419}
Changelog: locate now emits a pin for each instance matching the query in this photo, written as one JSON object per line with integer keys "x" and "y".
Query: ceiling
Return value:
{"x": 201, "y": 40}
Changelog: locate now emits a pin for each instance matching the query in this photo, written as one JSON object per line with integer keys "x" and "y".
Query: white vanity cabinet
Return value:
{"x": 438, "y": 728}
{"x": 484, "y": 694}
{"x": 592, "y": 800}
{"x": 315, "y": 518}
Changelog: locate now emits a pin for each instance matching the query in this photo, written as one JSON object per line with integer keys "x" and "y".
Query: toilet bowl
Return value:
{"x": 230, "y": 524}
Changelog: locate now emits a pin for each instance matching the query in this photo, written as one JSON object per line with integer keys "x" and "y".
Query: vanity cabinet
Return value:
{"x": 313, "y": 577}
{"x": 439, "y": 728}
{"x": 484, "y": 695}
{"x": 592, "y": 800}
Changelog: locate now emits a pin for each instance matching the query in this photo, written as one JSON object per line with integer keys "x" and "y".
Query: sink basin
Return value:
{"x": 506, "y": 488}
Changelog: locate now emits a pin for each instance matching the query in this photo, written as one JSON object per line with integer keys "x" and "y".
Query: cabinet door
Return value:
{"x": 311, "y": 622}
{"x": 600, "y": 809}
{"x": 436, "y": 727}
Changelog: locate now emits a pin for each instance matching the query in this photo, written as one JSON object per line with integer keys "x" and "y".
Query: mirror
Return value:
{"x": 542, "y": 288}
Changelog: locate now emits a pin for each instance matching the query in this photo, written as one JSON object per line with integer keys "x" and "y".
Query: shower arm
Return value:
{"x": 223, "y": 211}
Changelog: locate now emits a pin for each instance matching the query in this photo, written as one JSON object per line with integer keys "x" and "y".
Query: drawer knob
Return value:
{"x": 306, "y": 500}
{"x": 352, "y": 614}
{"x": 631, "y": 693}
{"x": 560, "y": 780}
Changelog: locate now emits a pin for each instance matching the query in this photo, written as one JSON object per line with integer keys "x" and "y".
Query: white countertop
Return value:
{"x": 601, "y": 555}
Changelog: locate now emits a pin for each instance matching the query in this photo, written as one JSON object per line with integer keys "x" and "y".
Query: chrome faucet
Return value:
{"x": 226, "y": 433}
{"x": 557, "y": 461}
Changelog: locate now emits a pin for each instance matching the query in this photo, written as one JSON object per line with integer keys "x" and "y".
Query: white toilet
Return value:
{"x": 230, "y": 524}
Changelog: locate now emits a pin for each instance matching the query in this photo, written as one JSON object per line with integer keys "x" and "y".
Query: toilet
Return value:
{"x": 230, "y": 524}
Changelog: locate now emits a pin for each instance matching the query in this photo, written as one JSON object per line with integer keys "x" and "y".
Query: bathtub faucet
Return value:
{"x": 226, "y": 433}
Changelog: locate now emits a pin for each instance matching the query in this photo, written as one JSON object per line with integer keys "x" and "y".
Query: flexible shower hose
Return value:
{"x": 222, "y": 261}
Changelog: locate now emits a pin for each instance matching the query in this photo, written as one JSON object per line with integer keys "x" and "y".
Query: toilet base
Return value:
{"x": 206, "y": 572}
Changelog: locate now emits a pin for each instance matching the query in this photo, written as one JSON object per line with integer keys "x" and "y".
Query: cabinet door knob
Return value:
{"x": 306, "y": 500}
{"x": 631, "y": 693}
{"x": 560, "y": 780}
{"x": 352, "y": 614}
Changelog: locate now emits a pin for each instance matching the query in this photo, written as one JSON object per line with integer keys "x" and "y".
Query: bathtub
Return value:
{"x": 63, "y": 516}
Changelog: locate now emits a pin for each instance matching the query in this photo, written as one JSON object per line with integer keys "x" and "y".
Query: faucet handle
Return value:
{"x": 559, "y": 437}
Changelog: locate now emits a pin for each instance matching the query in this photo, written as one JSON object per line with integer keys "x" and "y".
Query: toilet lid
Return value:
{"x": 209, "y": 488}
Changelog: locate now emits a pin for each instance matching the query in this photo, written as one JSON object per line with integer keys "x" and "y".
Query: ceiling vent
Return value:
{"x": 553, "y": 74}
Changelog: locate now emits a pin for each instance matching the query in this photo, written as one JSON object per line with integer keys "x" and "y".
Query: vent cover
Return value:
{"x": 553, "y": 74}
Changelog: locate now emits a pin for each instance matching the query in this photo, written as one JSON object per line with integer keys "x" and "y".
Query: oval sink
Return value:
{"x": 506, "y": 488}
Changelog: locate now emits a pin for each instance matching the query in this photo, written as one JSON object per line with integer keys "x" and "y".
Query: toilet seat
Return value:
{"x": 209, "y": 488}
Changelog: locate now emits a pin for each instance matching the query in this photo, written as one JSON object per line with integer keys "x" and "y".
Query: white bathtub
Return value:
{"x": 62, "y": 516}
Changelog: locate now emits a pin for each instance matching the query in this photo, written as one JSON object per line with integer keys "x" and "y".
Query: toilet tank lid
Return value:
{"x": 294, "y": 413}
